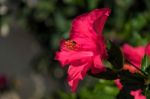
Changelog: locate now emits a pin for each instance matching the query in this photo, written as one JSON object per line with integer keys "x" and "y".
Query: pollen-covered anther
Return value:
{"x": 70, "y": 44}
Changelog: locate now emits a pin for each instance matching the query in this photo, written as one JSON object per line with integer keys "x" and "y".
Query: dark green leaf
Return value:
{"x": 124, "y": 94}
{"x": 108, "y": 75}
{"x": 115, "y": 56}
{"x": 146, "y": 65}
{"x": 131, "y": 81}
{"x": 148, "y": 72}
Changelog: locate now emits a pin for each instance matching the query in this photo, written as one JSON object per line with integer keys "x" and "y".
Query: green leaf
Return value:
{"x": 108, "y": 74}
{"x": 148, "y": 72}
{"x": 115, "y": 56}
{"x": 144, "y": 63}
{"x": 93, "y": 4}
{"x": 147, "y": 92}
{"x": 103, "y": 89}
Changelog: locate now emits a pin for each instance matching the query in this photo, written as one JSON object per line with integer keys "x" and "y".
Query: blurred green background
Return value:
{"x": 30, "y": 32}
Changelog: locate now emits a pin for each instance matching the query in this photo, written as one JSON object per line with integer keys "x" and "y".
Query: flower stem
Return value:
{"x": 138, "y": 69}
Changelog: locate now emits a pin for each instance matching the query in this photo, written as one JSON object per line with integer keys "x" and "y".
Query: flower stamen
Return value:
{"x": 70, "y": 44}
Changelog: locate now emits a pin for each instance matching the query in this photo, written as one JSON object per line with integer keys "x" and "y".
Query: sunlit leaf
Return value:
{"x": 144, "y": 63}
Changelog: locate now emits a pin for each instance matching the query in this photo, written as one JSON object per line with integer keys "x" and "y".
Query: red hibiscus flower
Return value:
{"x": 137, "y": 94}
{"x": 134, "y": 54}
{"x": 85, "y": 48}
{"x": 118, "y": 83}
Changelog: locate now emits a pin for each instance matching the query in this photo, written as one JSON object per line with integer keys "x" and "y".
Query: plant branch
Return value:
{"x": 138, "y": 69}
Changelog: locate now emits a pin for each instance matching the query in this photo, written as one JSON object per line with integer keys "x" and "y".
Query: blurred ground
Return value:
{"x": 16, "y": 52}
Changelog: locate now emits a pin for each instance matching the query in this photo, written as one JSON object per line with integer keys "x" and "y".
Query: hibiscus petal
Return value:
{"x": 76, "y": 73}
{"x": 118, "y": 83}
{"x": 134, "y": 54}
{"x": 102, "y": 47}
{"x": 89, "y": 24}
{"x": 98, "y": 65}
{"x": 66, "y": 57}
{"x": 89, "y": 45}
{"x": 100, "y": 20}
{"x": 130, "y": 68}
{"x": 73, "y": 84}
{"x": 97, "y": 46}
{"x": 137, "y": 94}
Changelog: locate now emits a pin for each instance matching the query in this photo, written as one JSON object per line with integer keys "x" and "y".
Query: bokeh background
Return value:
{"x": 30, "y": 32}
